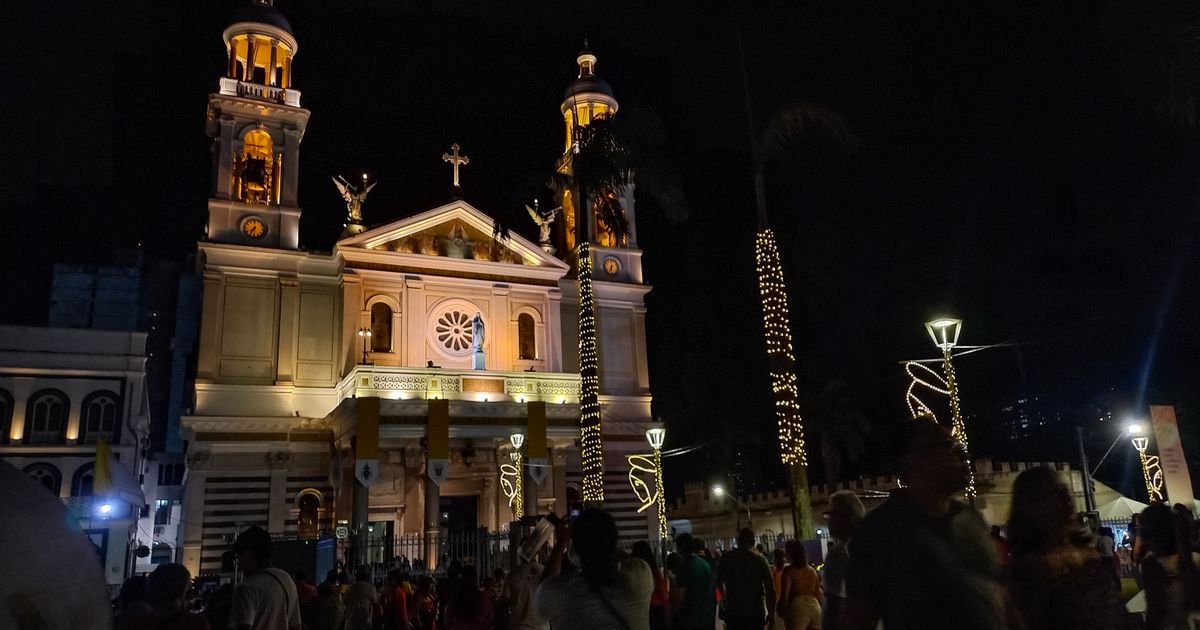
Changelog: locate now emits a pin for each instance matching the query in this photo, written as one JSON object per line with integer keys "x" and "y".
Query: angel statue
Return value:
{"x": 543, "y": 220}
{"x": 354, "y": 195}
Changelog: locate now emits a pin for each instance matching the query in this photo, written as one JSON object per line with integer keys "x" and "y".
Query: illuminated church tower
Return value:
{"x": 256, "y": 125}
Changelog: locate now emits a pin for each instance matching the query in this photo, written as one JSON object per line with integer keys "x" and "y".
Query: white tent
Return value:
{"x": 1112, "y": 505}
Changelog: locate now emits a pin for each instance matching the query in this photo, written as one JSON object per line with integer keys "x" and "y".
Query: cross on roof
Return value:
{"x": 456, "y": 160}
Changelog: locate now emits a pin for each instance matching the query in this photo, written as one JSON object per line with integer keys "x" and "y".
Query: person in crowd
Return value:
{"x": 219, "y": 607}
{"x": 167, "y": 588}
{"x": 1000, "y": 542}
{"x": 1169, "y": 568}
{"x": 1106, "y": 543}
{"x": 517, "y": 597}
{"x": 266, "y": 599}
{"x": 132, "y": 601}
{"x": 778, "y": 564}
{"x": 693, "y": 597}
{"x": 425, "y": 605}
{"x": 395, "y": 602}
{"x": 744, "y": 578}
{"x": 361, "y": 601}
{"x": 1056, "y": 577}
{"x": 306, "y": 591}
{"x": 469, "y": 608}
{"x": 846, "y": 511}
{"x": 800, "y": 588}
{"x": 660, "y": 597}
{"x": 496, "y": 593}
{"x": 606, "y": 591}
{"x": 328, "y": 613}
{"x": 447, "y": 586}
{"x": 923, "y": 559}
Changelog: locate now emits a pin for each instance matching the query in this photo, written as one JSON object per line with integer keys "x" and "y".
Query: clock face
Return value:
{"x": 611, "y": 266}
{"x": 254, "y": 227}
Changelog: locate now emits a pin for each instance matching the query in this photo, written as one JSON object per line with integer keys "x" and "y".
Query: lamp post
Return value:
{"x": 517, "y": 440}
{"x": 1151, "y": 473}
{"x": 719, "y": 491}
{"x": 944, "y": 333}
{"x": 1089, "y": 493}
{"x": 365, "y": 334}
{"x": 656, "y": 437}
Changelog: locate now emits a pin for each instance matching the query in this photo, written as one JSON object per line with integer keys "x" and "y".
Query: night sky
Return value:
{"x": 1003, "y": 172}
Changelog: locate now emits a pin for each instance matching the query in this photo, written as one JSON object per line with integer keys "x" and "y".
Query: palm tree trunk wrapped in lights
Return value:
{"x": 778, "y": 336}
{"x": 589, "y": 372}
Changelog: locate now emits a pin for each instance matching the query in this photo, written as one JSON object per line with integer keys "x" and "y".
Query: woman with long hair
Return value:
{"x": 469, "y": 607}
{"x": 799, "y": 590}
{"x": 662, "y": 587}
{"x": 1057, "y": 579}
{"x": 1169, "y": 568}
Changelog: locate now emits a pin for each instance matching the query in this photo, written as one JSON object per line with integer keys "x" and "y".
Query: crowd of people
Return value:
{"x": 922, "y": 559}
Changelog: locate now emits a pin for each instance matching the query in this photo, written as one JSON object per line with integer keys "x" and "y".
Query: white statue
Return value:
{"x": 477, "y": 334}
{"x": 543, "y": 220}
{"x": 353, "y": 195}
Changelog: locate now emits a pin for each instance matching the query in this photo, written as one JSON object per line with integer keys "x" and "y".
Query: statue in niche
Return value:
{"x": 477, "y": 333}
{"x": 544, "y": 221}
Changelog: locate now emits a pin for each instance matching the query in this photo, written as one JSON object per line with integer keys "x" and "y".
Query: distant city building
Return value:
{"x": 61, "y": 392}
{"x": 1027, "y": 417}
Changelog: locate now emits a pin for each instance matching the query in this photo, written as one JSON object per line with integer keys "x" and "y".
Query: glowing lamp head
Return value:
{"x": 1140, "y": 443}
{"x": 944, "y": 332}
{"x": 1135, "y": 428}
{"x": 718, "y": 491}
{"x": 517, "y": 440}
{"x": 106, "y": 508}
{"x": 656, "y": 437}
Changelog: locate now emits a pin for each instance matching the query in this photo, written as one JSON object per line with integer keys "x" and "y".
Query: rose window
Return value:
{"x": 453, "y": 330}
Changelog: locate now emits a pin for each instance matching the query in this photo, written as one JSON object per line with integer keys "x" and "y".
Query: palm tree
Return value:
{"x": 791, "y": 128}
{"x": 841, "y": 426}
{"x": 598, "y": 170}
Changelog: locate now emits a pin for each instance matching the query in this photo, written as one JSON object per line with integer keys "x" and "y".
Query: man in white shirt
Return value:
{"x": 266, "y": 599}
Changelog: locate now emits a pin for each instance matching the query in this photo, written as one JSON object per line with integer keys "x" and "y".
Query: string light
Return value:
{"x": 645, "y": 494}
{"x": 510, "y": 485}
{"x": 589, "y": 400}
{"x": 778, "y": 336}
{"x": 1151, "y": 470}
{"x": 957, "y": 428}
{"x": 935, "y": 383}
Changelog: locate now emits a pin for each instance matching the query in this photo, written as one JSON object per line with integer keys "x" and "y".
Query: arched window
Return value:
{"x": 381, "y": 327}
{"x": 98, "y": 418}
{"x": 256, "y": 169}
{"x": 46, "y": 417}
{"x": 526, "y": 337}
{"x": 309, "y": 506}
{"x": 47, "y": 475}
{"x": 82, "y": 481}
{"x": 6, "y": 414}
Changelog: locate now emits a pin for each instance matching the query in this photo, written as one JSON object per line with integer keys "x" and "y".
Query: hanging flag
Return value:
{"x": 366, "y": 441}
{"x": 1170, "y": 455}
{"x": 437, "y": 441}
{"x": 115, "y": 481}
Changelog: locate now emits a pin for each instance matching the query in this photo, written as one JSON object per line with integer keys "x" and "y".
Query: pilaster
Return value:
{"x": 414, "y": 307}
{"x": 193, "y": 510}
{"x": 499, "y": 351}
{"x": 289, "y": 315}
{"x": 279, "y": 505}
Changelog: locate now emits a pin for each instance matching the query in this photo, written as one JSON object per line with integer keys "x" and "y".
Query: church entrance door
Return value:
{"x": 459, "y": 514}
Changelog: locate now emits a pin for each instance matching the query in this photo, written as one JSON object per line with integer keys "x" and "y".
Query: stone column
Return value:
{"x": 291, "y": 166}
{"x": 432, "y": 517}
{"x": 414, "y": 309}
{"x": 289, "y": 314}
{"x": 488, "y": 502}
{"x": 193, "y": 510}
{"x": 223, "y": 166}
{"x": 279, "y": 505}
{"x": 212, "y": 306}
{"x": 558, "y": 477}
{"x": 500, "y": 353}
{"x": 271, "y": 67}
{"x": 359, "y": 520}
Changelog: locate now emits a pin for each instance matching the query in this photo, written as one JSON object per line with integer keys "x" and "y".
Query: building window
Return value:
{"x": 162, "y": 512}
{"x": 381, "y": 327}
{"x": 99, "y": 418}
{"x": 454, "y": 332}
{"x": 170, "y": 474}
{"x": 309, "y": 506}
{"x": 161, "y": 553}
{"x": 256, "y": 169}
{"x": 46, "y": 417}
{"x": 6, "y": 414}
{"x": 526, "y": 337}
{"x": 82, "y": 481}
{"x": 46, "y": 475}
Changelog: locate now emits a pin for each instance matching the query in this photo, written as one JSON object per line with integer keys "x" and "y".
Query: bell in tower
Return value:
{"x": 256, "y": 124}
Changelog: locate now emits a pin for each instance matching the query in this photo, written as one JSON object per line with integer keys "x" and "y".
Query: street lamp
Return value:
{"x": 656, "y": 437}
{"x": 1151, "y": 473}
{"x": 719, "y": 491}
{"x": 1089, "y": 494}
{"x": 365, "y": 334}
{"x": 517, "y": 440}
{"x": 944, "y": 332}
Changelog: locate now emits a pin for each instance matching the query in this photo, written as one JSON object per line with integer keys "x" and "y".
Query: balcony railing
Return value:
{"x": 463, "y": 384}
{"x": 245, "y": 89}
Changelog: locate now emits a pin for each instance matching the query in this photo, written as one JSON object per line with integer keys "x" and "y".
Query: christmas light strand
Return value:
{"x": 923, "y": 376}
{"x": 510, "y": 485}
{"x": 1151, "y": 470}
{"x": 778, "y": 336}
{"x": 589, "y": 372}
{"x": 957, "y": 428}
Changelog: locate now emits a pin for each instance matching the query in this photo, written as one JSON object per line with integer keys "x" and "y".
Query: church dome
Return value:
{"x": 588, "y": 97}
{"x": 262, "y": 12}
{"x": 587, "y": 82}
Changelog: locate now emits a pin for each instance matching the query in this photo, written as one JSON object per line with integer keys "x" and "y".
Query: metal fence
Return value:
{"x": 430, "y": 553}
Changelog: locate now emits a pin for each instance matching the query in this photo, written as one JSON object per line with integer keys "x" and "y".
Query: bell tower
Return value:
{"x": 256, "y": 124}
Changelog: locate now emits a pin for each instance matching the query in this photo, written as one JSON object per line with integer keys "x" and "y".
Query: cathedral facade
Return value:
{"x": 423, "y": 377}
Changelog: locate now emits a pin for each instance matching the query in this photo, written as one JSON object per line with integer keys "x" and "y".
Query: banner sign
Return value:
{"x": 1171, "y": 459}
{"x": 366, "y": 434}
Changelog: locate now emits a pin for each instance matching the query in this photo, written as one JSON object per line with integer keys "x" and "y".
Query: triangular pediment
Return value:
{"x": 456, "y": 230}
